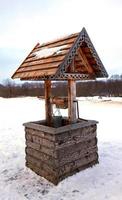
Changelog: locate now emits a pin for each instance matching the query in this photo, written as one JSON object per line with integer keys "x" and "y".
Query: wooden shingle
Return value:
{"x": 53, "y": 60}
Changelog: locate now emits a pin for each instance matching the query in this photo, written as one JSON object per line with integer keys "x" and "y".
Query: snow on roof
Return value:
{"x": 49, "y": 51}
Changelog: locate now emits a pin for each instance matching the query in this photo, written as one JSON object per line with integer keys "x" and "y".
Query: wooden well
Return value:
{"x": 57, "y": 148}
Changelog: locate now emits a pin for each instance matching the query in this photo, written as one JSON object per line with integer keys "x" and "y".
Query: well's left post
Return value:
{"x": 48, "y": 105}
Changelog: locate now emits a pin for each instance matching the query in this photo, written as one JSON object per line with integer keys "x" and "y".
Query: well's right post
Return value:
{"x": 72, "y": 101}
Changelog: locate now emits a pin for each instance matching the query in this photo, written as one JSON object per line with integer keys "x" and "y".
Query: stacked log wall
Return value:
{"x": 58, "y": 155}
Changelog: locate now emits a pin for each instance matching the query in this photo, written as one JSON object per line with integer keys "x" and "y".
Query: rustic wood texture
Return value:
{"x": 56, "y": 156}
{"x": 55, "y": 65}
{"x": 85, "y": 61}
{"x": 32, "y": 63}
{"x": 72, "y": 101}
{"x": 48, "y": 105}
{"x": 60, "y": 102}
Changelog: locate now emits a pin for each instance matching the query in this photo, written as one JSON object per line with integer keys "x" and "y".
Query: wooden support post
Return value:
{"x": 48, "y": 106}
{"x": 72, "y": 101}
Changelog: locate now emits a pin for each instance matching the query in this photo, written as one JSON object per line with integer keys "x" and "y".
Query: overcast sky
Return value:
{"x": 23, "y": 23}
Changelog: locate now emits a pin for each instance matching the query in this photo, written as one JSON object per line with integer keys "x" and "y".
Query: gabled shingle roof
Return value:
{"x": 54, "y": 60}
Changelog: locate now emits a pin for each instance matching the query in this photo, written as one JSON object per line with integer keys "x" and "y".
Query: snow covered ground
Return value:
{"x": 103, "y": 181}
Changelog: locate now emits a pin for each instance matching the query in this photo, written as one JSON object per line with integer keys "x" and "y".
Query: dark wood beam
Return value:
{"x": 72, "y": 96}
{"x": 72, "y": 101}
{"x": 48, "y": 105}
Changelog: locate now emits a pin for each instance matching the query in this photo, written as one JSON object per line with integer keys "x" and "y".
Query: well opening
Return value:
{"x": 59, "y": 121}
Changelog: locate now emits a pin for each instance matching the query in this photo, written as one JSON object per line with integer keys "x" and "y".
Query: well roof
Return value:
{"x": 73, "y": 56}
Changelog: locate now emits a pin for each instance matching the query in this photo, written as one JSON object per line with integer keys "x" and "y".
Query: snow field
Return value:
{"x": 103, "y": 181}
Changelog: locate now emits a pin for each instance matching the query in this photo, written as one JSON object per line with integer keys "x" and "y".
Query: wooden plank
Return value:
{"x": 63, "y": 47}
{"x": 85, "y": 61}
{"x": 34, "y": 73}
{"x": 40, "y": 66}
{"x": 60, "y": 43}
{"x": 53, "y": 58}
{"x": 71, "y": 101}
{"x": 48, "y": 106}
{"x": 33, "y": 56}
{"x": 42, "y": 62}
{"x": 44, "y": 73}
{"x": 39, "y": 70}
{"x": 72, "y": 36}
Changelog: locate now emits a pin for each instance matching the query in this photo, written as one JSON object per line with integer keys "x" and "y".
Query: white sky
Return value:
{"x": 25, "y": 22}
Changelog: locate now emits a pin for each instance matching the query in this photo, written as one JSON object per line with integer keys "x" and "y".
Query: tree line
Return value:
{"x": 107, "y": 87}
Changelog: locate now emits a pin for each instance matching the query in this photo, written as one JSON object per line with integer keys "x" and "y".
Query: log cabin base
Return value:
{"x": 61, "y": 150}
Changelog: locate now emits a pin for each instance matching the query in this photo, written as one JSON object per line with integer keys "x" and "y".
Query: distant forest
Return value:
{"x": 107, "y": 87}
